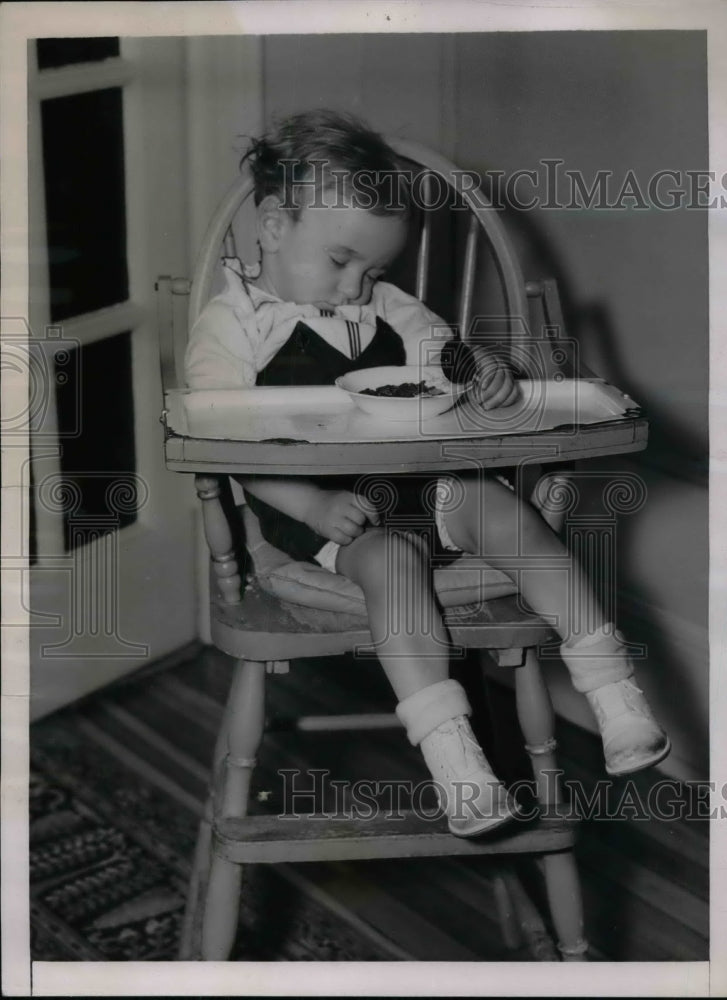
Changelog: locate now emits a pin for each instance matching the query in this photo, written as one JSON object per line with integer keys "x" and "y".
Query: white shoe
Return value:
{"x": 475, "y": 800}
{"x": 632, "y": 738}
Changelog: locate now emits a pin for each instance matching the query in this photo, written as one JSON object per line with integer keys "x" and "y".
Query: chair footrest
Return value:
{"x": 272, "y": 839}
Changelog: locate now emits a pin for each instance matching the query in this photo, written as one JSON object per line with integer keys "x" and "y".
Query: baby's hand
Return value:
{"x": 493, "y": 382}
{"x": 340, "y": 516}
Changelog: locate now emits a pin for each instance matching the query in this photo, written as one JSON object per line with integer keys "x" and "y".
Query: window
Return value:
{"x": 79, "y": 86}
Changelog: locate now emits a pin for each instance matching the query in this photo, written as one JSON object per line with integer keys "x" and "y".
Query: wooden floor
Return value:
{"x": 645, "y": 880}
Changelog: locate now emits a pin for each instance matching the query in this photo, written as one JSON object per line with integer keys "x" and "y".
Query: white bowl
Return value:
{"x": 401, "y": 407}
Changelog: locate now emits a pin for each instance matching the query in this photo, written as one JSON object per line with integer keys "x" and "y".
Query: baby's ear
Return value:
{"x": 270, "y": 223}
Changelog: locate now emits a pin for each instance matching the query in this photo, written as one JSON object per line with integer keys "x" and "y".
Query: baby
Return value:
{"x": 317, "y": 307}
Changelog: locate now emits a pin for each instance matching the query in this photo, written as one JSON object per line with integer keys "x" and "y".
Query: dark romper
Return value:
{"x": 307, "y": 359}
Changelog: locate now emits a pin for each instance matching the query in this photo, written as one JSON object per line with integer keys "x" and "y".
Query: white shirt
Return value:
{"x": 241, "y": 330}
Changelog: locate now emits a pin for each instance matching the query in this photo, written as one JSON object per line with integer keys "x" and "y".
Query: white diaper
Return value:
{"x": 441, "y": 496}
{"x": 326, "y": 557}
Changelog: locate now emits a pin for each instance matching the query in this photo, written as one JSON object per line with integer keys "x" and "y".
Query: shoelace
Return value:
{"x": 466, "y": 739}
{"x": 470, "y": 746}
{"x": 626, "y": 703}
{"x": 630, "y": 690}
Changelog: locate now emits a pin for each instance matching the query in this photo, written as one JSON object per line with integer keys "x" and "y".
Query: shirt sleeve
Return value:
{"x": 220, "y": 352}
{"x": 428, "y": 339}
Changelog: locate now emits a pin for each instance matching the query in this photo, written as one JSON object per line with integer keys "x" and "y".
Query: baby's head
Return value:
{"x": 332, "y": 208}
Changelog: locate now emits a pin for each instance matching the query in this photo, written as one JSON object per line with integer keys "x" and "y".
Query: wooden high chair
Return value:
{"x": 263, "y": 632}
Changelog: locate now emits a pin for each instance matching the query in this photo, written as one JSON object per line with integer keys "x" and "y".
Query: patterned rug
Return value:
{"x": 106, "y": 884}
{"x": 117, "y": 787}
{"x": 117, "y": 790}
{"x": 98, "y": 891}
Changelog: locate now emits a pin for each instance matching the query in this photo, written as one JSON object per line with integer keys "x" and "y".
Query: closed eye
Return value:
{"x": 337, "y": 262}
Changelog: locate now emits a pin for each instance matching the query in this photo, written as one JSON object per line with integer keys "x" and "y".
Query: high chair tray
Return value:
{"x": 319, "y": 430}
{"x": 327, "y": 414}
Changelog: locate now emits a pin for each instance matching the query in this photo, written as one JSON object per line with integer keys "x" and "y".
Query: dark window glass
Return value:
{"x": 54, "y": 52}
{"x": 99, "y": 462}
{"x": 83, "y": 160}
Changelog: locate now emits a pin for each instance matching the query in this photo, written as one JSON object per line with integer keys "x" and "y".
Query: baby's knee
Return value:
{"x": 378, "y": 553}
{"x": 363, "y": 557}
{"x": 493, "y": 518}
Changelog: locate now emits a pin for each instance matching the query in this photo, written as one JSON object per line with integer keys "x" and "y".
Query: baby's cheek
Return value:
{"x": 365, "y": 296}
{"x": 308, "y": 279}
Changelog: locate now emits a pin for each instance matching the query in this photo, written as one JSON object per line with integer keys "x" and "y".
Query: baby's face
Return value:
{"x": 331, "y": 256}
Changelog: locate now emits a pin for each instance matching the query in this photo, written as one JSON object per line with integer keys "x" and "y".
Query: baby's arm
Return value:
{"x": 426, "y": 340}
{"x": 338, "y": 515}
{"x": 480, "y": 364}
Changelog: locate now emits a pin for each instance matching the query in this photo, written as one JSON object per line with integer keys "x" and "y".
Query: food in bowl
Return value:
{"x": 401, "y": 392}
{"x": 405, "y": 390}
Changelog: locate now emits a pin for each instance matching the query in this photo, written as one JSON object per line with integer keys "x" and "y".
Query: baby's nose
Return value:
{"x": 350, "y": 286}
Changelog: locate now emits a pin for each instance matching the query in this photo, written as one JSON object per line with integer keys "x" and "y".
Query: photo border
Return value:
{"x": 20, "y": 21}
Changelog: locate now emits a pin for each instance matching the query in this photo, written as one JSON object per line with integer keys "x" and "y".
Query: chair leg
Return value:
{"x": 530, "y": 924}
{"x": 190, "y": 938}
{"x": 189, "y": 941}
{"x": 535, "y": 712}
{"x": 506, "y": 910}
{"x": 236, "y": 752}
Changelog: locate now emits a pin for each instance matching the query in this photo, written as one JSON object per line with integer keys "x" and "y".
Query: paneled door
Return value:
{"x": 111, "y": 533}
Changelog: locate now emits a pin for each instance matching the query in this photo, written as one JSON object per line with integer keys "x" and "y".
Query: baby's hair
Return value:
{"x": 312, "y": 144}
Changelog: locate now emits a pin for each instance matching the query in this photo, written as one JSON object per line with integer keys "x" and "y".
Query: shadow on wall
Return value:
{"x": 631, "y": 282}
{"x": 674, "y": 446}
{"x": 667, "y": 669}
{"x": 662, "y": 549}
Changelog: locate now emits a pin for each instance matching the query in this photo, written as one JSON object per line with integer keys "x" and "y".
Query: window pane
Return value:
{"x": 101, "y": 459}
{"x": 54, "y": 52}
{"x": 83, "y": 160}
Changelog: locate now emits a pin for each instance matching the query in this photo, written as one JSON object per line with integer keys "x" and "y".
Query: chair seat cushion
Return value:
{"x": 467, "y": 580}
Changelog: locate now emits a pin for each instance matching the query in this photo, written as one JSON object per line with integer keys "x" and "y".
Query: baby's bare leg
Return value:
{"x": 392, "y": 569}
{"x": 495, "y": 523}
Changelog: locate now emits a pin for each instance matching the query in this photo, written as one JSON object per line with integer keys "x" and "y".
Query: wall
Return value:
{"x": 634, "y": 281}
{"x": 635, "y": 278}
